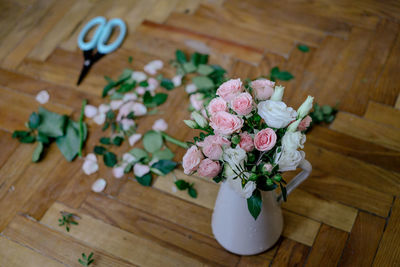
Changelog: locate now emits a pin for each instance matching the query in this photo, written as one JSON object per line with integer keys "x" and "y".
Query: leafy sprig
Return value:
{"x": 183, "y": 185}
{"x": 67, "y": 219}
{"x": 323, "y": 113}
{"x": 86, "y": 260}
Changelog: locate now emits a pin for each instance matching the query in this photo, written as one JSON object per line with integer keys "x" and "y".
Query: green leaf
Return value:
{"x": 69, "y": 143}
{"x": 198, "y": 58}
{"x": 159, "y": 98}
{"x": 182, "y": 184}
{"x": 180, "y": 56}
{"x": 127, "y": 87}
{"x": 110, "y": 159}
{"x": 167, "y": 84}
{"x": 165, "y": 166}
{"x": 152, "y": 141}
{"x": 105, "y": 141}
{"x": 139, "y": 153}
{"x": 303, "y": 48}
{"x": 189, "y": 67}
{"x": 130, "y": 58}
{"x": 203, "y": 82}
{"x": 284, "y": 193}
{"x": 192, "y": 192}
{"x": 110, "y": 115}
{"x": 284, "y": 76}
{"x": 27, "y": 139}
{"x": 42, "y": 138}
{"x": 125, "y": 75}
{"x": 34, "y": 120}
{"x": 81, "y": 128}
{"x": 118, "y": 140}
{"x": 145, "y": 179}
{"x": 52, "y": 124}
{"x": 327, "y": 110}
{"x": 144, "y": 83}
{"x": 37, "y": 152}
{"x": 99, "y": 150}
{"x": 163, "y": 154}
{"x": 205, "y": 70}
{"x": 20, "y": 134}
{"x": 254, "y": 204}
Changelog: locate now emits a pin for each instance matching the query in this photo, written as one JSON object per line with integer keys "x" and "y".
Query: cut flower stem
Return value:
{"x": 174, "y": 141}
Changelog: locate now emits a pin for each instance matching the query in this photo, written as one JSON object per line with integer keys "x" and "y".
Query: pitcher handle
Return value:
{"x": 296, "y": 181}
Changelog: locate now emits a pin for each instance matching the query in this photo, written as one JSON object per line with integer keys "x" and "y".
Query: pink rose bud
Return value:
{"x": 228, "y": 90}
{"x": 217, "y": 104}
{"x": 265, "y": 139}
{"x": 304, "y": 124}
{"x": 263, "y": 88}
{"x": 243, "y": 104}
{"x": 209, "y": 168}
{"x": 267, "y": 167}
{"x": 191, "y": 159}
{"x": 196, "y": 100}
{"x": 246, "y": 142}
{"x": 225, "y": 123}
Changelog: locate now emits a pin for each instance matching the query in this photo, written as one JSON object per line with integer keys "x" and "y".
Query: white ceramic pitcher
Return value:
{"x": 237, "y": 231}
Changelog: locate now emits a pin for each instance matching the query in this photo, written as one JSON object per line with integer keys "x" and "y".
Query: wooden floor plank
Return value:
{"x": 383, "y": 114}
{"x": 187, "y": 6}
{"x": 13, "y": 254}
{"x": 367, "y": 130}
{"x": 56, "y": 245}
{"x": 363, "y": 241}
{"x": 117, "y": 242}
{"x": 161, "y": 11}
{"x": 327, "y": 248}
{"x": 8, "y": 145}
{"x": 290, "y": 253}
{"x": 388, "y": 254}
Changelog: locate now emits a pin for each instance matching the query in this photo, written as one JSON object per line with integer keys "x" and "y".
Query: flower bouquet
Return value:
{"x": 250, "y": 136}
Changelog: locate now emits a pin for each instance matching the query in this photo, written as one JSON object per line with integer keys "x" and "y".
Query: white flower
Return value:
{"x": 116, "y": 104}
{"x": 290, "y": 159}
{"x": 140, "y": 169}
{"x": 90, "y": 165}
{"x": 199, "y": 119}
{"x": 293, "y": 126}
{"x": 127, "y": 124}
{"x": 278, "y": 93}
{"x": 191, "y": 88}
{"x": 234, "y": 157}
{"x": 275, "y": 113}
{"x": 160, "y": 125}
{"x": 90, "y": 111}
{"x": 104, "y": 108}
{"x": 153, "y": 84}
{"x": 128, "y": 158}
{"x": 236, "y": 185}
{"x": 43, "y": 97}
{"x": 134, "y": 138}
{"x": 139, "y": 76}
{"x": 191, "y": 124}
{"x": 293, "y": 140}
{"x": 129, "y": 96}
{"x": 118, "y": 172}
{"x": 249, "y": 188}
{"x": 139, "y": 109}
{"x": 141, "y": 90}
{"x": 305, "y": 107}
{"x": 152, "y": 67}
{"x": 99, "y": 185}
{"x": 177, "y": 80}
{"x": 99, "y": 118}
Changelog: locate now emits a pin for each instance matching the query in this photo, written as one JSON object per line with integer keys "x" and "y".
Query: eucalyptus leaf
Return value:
{"x": 254, "y": 204}
{"x": 69, "y": 143}
{"x": 165, "y": 166}
{"x": 166, "y": 154}
{"x": 189, "y": 67}
{"x": 139, "y": 153}
{"x": 152, "y": 141}
{"x": 145, "y": 179}
{"x": 34, "y": 120}
{"x": 205, "y": 70}
{"x": 42, "y": 138}
{"x": 37, "y": 152}
{"x": 52, "y": 124}
{"x": 203, "y": 82}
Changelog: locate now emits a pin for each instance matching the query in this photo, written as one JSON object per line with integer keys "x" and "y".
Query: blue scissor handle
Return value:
{"x": 102, "y": 47}
{"x": 101, "y": 21}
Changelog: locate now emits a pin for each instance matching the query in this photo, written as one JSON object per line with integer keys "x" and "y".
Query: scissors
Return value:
{"x": 99, "y": 41}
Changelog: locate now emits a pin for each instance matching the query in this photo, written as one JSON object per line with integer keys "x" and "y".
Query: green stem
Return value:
{"x": 81, "y": 127}
{"x": 174, "y": 141}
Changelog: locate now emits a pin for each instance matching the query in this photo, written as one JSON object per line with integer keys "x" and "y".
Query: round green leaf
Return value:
{"x": 152, "y": 141}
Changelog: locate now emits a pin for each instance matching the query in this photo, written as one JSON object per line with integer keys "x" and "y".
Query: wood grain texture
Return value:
{"x": 383, "y": 114}
{"x": 290, "y": 253}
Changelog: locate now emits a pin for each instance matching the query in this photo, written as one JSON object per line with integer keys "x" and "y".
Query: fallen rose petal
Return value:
{"x": 133, "y": 139}
{"x": 103, "y": 108}
{"x": 160, "y": 125}
{"x": 177, "y": 80}
{"x": 91, "y": 156}
{"x": 90, "y": 165}
{"x": 153, "y": 84}
{"x": 116, "y": 104}
{"x": 128, "y": 158}
{"x": 141, "y": 90}
{"x": 140, "y": 169}
{"x": 99, "y": 118}
{"x": 127, "y": 124}
{"x": 129, "y": 96}
{"x": 99, "y": 185}
{"x": 90, "y": 111}
{"x": 191, "y": 88}
{"x": 139, "y": 76}
{"x": 118, "y": 172}
{"x": 43, "y": 97}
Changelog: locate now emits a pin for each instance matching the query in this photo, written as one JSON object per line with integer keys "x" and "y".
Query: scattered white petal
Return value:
{"x": 139, "y": 76}
{"x": 133, "y": 139}
{"x": 99, "y": 185}
{"x": 141, "y": 90}
{"x": 128, "y": 158}
{"x": 127, "y": 124}
{"x": 90, "y": 165}
{"x": 116, "y": 104}
{"x": 158, "y": 64}
{"x": 129, "y": 96}
{"x": 153, "y": 84}
{"x": 177, "y": 80}
{"x": 118, "y": 172}
{"x": 43, "y": 97}
{"x": 153, "y": 66}
{"x": 191, "y": 88}
{"x": 153, "y": 160}
{"x": 150, "y": 70}
{"x": 125, "y": 110}
{"x": 174, "y": 189}
{"x": 160, "y": 125}
{"x": 99, "y": 118}
{"x": 90, "y": 111}
{"x": 91, "y": 156}
{"x": 104, "y": 108}
{"x": 140, "y": 169}
{"x": 139, "y": 109}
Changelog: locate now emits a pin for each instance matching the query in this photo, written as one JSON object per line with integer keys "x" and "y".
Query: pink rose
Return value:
{"x": 196, "y": 100}
{"x": 242, "y": 104}
{"x": 214, "y": 139}
{"x": 263, "y": 88}
{"x": 265, "y": 139}
{"x": 209, "y": 168}
{"x": 228, "y": 90}
{"x": 217, "y": 104}
{"x": 304, "y": 124}
{"x": 246, "y": 142}
{"x": 191, "y": 159}
{"x": 212, "y": 146}
{"x": 225, "y": 123}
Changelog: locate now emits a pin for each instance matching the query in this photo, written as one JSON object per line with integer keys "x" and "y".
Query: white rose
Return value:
{"x": 305, "y": 107}
{"x": 276, "y": 114}
{"x": 293, "y": 140}
{"x": 293, "y": 126}
{"x": 278, "y": 93}
{"x": 234, "y": 156}
{"x": 140, "y": 169}
{"x": 236, "y": 185}
{"x": 290, "y": 159}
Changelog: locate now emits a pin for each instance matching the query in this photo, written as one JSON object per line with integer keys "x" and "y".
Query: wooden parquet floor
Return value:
{"x": 347, "y": 213}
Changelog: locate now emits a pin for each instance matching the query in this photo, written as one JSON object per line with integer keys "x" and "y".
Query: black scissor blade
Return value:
{"x": 85, "y": 70}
